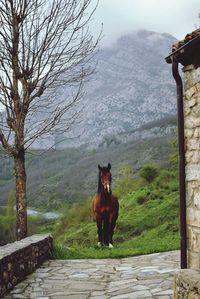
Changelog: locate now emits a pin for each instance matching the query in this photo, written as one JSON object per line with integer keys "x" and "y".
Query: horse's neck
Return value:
{"x": 104, "y": 196}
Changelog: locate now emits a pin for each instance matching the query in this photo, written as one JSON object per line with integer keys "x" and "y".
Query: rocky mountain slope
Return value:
{"x": 132, "y": 86}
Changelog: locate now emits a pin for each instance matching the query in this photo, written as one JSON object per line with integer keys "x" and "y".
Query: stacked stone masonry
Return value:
{"x": 21, "y": 258}
{"x": 187, "y": 284}
{"x": 192, "y": 153}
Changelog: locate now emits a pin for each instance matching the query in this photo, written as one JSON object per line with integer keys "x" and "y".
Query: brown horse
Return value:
{"x": 105, "y": 207}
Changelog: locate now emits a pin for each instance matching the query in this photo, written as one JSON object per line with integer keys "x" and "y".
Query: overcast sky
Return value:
{"x": 177, "y": 17}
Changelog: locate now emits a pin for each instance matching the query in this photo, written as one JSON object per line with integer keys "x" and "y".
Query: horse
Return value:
{"x": 105, "y": 207}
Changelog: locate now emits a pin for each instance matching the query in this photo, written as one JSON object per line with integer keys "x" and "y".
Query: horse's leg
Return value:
{"x": 112, "y": 224}
{"x": 106, "y": 230}
{"x": 112, "y": 227}
{"x": 112, "y": 220}
{"x": 99, "y": 230}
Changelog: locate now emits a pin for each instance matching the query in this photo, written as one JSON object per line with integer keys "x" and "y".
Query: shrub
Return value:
{"x": 141, "y": 199}
{"x": 149, "y": 172}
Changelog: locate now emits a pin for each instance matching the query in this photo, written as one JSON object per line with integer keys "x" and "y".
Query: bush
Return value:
{"x": 149, "y": 173}
{"x": 141, "y": 199}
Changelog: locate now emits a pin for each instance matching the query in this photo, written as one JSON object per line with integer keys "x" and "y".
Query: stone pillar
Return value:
{"x": 192, "y": 152}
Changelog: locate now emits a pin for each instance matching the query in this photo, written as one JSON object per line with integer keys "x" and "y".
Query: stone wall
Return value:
{"x": 21, "y": 258}
{"x": 187, "y": 284}
{"x": 192, "y": 149}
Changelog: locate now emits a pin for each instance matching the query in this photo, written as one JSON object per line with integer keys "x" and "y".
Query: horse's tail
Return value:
{"x": 106, "y": 230}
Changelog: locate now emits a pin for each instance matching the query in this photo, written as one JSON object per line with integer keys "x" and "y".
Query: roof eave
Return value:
{"x": 186, "y": 54}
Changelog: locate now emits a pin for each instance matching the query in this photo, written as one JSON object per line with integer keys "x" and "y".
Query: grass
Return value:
{"x": 148, "y": 220}
{"x": 148, "y": 242}
{"x": 148, "y": 223}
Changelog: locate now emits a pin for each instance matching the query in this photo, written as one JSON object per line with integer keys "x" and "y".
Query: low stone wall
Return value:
{"x": 21, "y": 258}
{"x": 187, "y": 284}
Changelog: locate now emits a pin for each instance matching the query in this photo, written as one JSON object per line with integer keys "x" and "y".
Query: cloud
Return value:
{"x": 177, "y": 17}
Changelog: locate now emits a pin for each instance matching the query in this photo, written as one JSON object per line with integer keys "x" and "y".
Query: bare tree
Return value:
{"x": 44, "y": 45}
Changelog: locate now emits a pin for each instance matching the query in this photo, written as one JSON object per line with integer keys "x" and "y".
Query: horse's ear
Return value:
{"x": 99, "y": 167}
{"x": 109, "y": 166}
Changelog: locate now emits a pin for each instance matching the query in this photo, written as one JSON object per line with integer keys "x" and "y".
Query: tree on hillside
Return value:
{"x": 44, "y": 45}
{"x": 149, "y": 172}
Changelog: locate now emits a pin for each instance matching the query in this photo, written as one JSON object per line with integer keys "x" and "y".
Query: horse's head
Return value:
{"x": 105, "y": 177}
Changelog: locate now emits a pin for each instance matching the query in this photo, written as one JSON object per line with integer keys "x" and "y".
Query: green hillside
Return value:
{"x": 148, "y": 221}
{"x": 69, "y": 175}
{"x": 65, "y": 181}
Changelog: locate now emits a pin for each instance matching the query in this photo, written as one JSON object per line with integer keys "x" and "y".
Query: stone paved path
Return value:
{"x": 149, "y": 276}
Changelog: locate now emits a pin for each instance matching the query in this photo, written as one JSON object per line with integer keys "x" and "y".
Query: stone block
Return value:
{"x": 196, "y": 110}
{"x": 193, "y": 144}
{"x": 193, "y": 172}
{"x": 196, "y": 133}
{"x": 187, "y": 111}
{"x": 192, "y": 102}
{"x": 193, "y": 234}
{"x": 193, "y": 216}
{"x": 196, "y": 75}
{"x": 192, "y": 122}
{"x": 188, "y": 74}
{"x": 198, "y": 87}
{"x": 190, "y": 93}
{"x": 196, "y": 157}
{"x": 188, "y": 68}
{"x": 195, "y": 184}
{"x": 187, "y": 284}
{"x": 188, "y": 156}
{"x": 190, "y": 132}
{"x": 196, "y": 199}
{"x": 189, "y": 237}
{"x": 196, "y": 244}
{"x": 193, "y": 260}
{"x": 189, "y": 194}
{"x": 192, "y": 156}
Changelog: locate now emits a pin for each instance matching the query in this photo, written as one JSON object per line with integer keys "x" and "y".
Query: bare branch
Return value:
{"x": 44, "y": 45}
{"x": 10, "y": 150}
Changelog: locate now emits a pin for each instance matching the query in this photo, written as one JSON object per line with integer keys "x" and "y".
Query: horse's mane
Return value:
{"x": 99, "y": 182}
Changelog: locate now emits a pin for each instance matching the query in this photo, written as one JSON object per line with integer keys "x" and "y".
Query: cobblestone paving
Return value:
{"x": 148, "y": 276}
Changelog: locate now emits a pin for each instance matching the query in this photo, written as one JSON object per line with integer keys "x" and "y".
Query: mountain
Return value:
{"x": 132, "y": 86}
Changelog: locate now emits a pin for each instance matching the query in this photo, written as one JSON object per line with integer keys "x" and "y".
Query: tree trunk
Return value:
{"x": 21, "y": 208}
